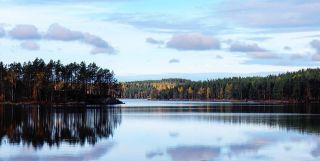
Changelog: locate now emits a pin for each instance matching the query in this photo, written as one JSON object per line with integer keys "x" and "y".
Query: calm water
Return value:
{"x": 145, "y": 130}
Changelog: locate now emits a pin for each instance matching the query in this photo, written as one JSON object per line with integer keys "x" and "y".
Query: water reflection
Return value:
{"x": 193, "y": 153}
{"x": 185, "y": 132}
{"x": 299, "y": 123}
{"x": 301, "y": 118}
{"x": 92, "y": 154}
{"x": 36, "y": 125}
{"x": 222, "y": 107}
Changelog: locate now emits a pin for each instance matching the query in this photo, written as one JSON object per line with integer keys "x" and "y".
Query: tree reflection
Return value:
{"x": 37, "y": 125}
{"x": 298, "y": 117}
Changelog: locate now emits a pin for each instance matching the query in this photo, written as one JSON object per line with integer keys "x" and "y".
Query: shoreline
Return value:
{"x": 106, "y": 102}
{"x": 236, "y": 101}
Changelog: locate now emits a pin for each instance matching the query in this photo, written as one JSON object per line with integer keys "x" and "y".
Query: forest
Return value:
{"x": 53, "y": 82}
{"x": 300, "y": 86}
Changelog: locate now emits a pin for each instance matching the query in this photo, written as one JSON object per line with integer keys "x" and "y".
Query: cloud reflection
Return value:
{"x": 174, "y": 134}
{"x": 153, "y": 154}
{"x": 93, "y": 154}
{"x": 316, "y": 151}
{"x": 251, "y": 146}
{"x": 192, "y": 153}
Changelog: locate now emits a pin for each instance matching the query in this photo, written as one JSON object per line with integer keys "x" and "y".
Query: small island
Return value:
{"x": 53, "y": 83}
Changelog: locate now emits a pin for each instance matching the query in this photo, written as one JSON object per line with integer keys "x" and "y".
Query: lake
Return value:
{"x": 143, "y": 130}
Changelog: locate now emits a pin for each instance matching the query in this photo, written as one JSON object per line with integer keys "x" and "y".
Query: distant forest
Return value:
{"x": 300, "y": 86}
{"x": 54, "y": 82}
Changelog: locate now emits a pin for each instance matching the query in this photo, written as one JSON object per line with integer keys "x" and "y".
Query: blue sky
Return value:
{"x": 158, "y": 37}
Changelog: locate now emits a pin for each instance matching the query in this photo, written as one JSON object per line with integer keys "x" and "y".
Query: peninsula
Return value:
{"x": 38, "y": 82}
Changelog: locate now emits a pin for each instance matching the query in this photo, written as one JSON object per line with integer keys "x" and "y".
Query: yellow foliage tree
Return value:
{"x": 228, "y": 90}
{"x": 190, "y": 92}
{"x": 180, "y": 90}
{"x": 208, "y": 96}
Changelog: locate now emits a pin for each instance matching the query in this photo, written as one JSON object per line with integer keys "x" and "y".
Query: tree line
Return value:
{"x": 148, "y": 88}
{"x": 300, "y": 86}
{"x": 54, "y": 82}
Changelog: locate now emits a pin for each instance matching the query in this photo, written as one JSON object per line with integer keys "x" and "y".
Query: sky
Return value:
{"x": 137, "y": 38}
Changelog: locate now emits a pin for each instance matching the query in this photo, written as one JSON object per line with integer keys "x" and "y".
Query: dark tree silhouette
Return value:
{"x": 56, "y": 83}
{"x": 40, "y": 125}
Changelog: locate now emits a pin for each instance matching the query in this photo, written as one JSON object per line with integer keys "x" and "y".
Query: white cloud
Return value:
{"x": 97, "y": 50}
{"x": 58, "y": 32}
{"x": 252, "y": 50}
{"x": 243, "y": 47}
{"x": 316, "y": 57}
{"x": 24, "y": 32}
{"x": 151, "y": 40}
{"x": 95, "y": 41}
{"x": 262, "y": 55}
{"x": 297, "y": 56}
{"x": 100, "y": 45}
{"x": 193, "y": 41}
{"x": 315, "y": 44}
{"x": 272, "y": 13}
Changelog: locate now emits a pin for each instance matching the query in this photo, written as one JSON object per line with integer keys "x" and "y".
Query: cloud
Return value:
{"x": 288, "y": 59}
{"x": 151, "y": 40}
{"x": 262, "y": 55}
{"x": 259, "y": 38}
{"x": 2, "y": 31}
{"x": 316, "y": 151}
{"x": 24, "y": 32}
{"x": 315, "y": 44}
{"x": 29, "y": 45}
{"x": 101, "y": 46}
{"x": 252, "y": 50}
{"x": 171, "y": 61}
{"x": 296, "y": 56}
{"x": 192, "y": 153}
{"x": 57, "y": 32}
{"x": 316, "y": 57}
{"x": 271, "y": 13}
{"x": 24, "y": 158}
{"x": 97, "y": 50}
{"x": 61, "y": 33}
{"x": 193, "y": 41}
{"x": 162, "y": 22}
{"x": 243, "y": 47}
{"x": 250, "y": 146}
